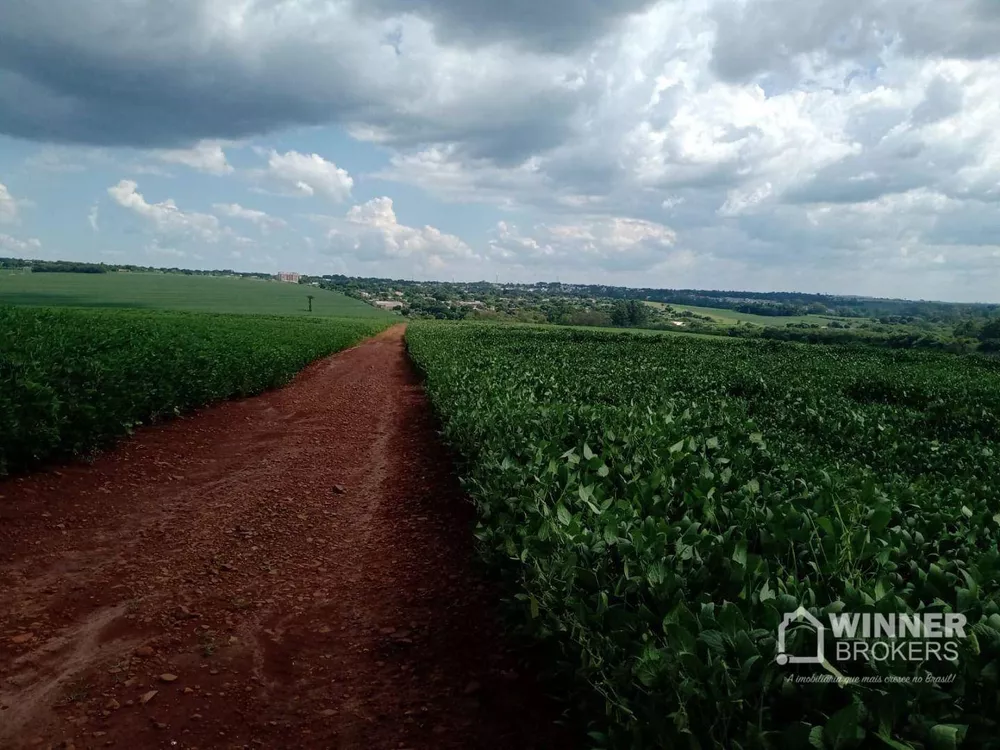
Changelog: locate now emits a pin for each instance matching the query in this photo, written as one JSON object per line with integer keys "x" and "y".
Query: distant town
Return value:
{"x": 814, "y": 318}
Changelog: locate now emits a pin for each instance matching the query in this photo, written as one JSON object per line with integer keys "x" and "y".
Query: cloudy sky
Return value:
{"x": 845, "y": 146}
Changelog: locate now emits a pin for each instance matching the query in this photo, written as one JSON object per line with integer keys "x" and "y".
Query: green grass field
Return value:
{"x": 154, "y": 291}
{"x": 731, "y": 316}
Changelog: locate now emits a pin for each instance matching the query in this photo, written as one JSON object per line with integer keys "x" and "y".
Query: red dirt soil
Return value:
{"x": 289, "y": 571}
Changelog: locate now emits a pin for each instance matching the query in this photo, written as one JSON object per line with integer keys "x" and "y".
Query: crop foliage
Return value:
{"x": 74, "y": 380}
{"x": 659, "y": 503}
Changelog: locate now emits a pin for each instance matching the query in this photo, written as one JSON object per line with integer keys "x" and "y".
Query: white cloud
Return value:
{"x": 8, "y": 206}
{"x": 15, "y": 245}
{"x": 611, "y": 243}
{"x": 448, "y": 173}
{"x": 232, "y": 68}
{"x": 262, "y": 219}
{"x": 371, "y": 232}
{"x": 799, "y": 143}
{"x": 165, "y": 216}
{"x": 92, "y": 218}
{"x": 790, "y": 162}
{"x": 307, "y": 175}
{"x": 204, "y": 156}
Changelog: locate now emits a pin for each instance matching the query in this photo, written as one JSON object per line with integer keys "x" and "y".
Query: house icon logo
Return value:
{"x": 793, "y": 617}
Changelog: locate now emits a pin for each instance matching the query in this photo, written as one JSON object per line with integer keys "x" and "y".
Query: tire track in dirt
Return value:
{"x": 299, "y": 562}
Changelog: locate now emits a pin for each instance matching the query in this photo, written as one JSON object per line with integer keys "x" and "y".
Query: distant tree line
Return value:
{"x": 73, "y": 266}
{"x": 66, "y": 266}
{"x": 53, "y": 266}
{"x": 14, "y": 263}
{"x": 909, "y": 340}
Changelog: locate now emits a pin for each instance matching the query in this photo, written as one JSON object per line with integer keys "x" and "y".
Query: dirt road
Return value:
{"x": 289, "y": 571}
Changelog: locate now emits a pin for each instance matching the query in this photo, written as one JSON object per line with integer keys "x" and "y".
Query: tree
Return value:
{"x": 990, "y": 331}
{"x": 619, "y": 313}
{"x": 557, "y": 312}
{"x": 633, "y": 313}
{"x": 638, "y": 313}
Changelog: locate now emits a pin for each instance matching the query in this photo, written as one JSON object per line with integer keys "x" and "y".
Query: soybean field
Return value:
{"x": 72, "y": 381}
{"x": 659, "y": 504}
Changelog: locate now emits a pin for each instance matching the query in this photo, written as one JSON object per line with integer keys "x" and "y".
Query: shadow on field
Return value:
{"x": 41, "y": 299}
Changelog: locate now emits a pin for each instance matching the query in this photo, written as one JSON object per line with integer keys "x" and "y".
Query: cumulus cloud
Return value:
{"x": 8, "y": 206}
{"x": 205, "y": 156}
{"x": 130, "y": 72}
{"x": 166, "y": 217}
{"x": 16, "y": 245}
{"x": 763, "y": 131}
{"x": 371, "y": 232}
{"x": 613, "y": 243}
{"x": 92, "y": 218}
{"x": 781, "y": 37}
{"x": 307, "y": 175}
{"x": 818, "y": 144}
{"x": 261, "y": 218}
{"x": 450, "y": 175}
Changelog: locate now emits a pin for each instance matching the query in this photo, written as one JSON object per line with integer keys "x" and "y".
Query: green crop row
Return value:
{"x": 660, "y": 503}
{"x": 74, "y": 380}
